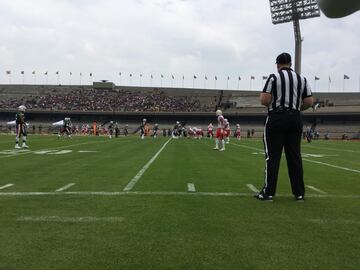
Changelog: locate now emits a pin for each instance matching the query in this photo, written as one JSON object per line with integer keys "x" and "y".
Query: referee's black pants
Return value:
{"x": 283, "y": 130}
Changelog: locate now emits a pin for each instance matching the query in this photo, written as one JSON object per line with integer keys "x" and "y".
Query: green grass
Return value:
{"x": 164, "y": 228}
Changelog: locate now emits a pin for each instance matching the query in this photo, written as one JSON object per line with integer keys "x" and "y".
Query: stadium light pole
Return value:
{"x": 283, "y": 11}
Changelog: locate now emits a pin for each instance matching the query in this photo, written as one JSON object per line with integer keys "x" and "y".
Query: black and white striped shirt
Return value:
{"x": 288, "y": 89}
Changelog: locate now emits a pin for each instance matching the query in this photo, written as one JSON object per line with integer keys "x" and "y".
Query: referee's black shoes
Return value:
{"x": 262, "y": 197}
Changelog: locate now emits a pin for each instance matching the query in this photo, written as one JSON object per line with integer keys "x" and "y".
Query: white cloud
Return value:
{"x": 169, "y": 37}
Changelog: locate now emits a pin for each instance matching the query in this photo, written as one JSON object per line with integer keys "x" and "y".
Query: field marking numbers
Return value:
{"x": 137, "y": 177}
{"x": 65, "y": 187}
{"x": 165, "y": 193}
{"x": 191, "y": 187}
{"x": 333, "y": 166}
{"x": 70, "y": 219}
{"x": 55, "y": 148}
{"x": 6, "y": 186}
{"x": 316, "y": 189}
{"x": 252, "y": 188}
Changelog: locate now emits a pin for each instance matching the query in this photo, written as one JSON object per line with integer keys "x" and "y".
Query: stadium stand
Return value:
{"x": 338, "y": 113}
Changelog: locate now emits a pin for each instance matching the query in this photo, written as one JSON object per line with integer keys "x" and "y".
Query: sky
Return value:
{"x": 169, "y": 37}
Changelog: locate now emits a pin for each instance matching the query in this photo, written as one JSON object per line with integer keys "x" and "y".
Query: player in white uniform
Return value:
{"x": 210, "y": 133}
{"x": 238, "y": 132}
{"x": 220, "y": 132}
{"x": 227, "y": 132}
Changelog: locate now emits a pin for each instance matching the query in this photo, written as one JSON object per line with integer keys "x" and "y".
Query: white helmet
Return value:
{"x": 177, "y": 122}
{"x": 21, "y": 108}
{"x": 218, "y": 112}
{"x": 111, "y": 122}
{"x": 144, "y": 120}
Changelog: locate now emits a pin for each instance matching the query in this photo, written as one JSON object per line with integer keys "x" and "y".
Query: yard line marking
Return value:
{"x": 316, "y": 189}
{"x": 248, "y": 147}
{"x": 252, "y": 188}
{"x": 333, "y": 166}
{"x": 164, "y": 193}
{"x": 331, "y": 149}
{"x": 65, "y": 187}
{"x": 339, "y": 221}
{"x": 309, "y": 160}
{"x": 6, "y": 186}
{"x": 70, "y": 219}
{"x": 191, "y": 187}
{"x": 137, "y": 177}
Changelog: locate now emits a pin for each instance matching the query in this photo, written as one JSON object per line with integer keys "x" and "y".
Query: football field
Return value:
{"x": 126, "y": 203}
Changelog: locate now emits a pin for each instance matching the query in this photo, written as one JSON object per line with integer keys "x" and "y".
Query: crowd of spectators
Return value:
{"x": 109, "y": 100}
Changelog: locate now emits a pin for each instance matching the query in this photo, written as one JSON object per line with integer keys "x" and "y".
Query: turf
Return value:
{"x": 159, "y": 224}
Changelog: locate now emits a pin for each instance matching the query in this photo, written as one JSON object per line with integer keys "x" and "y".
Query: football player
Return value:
{"x": 142, "y": 128}
{"x": 227, "y": 132}
{"x": 20, "y": 127}
{"x": 176, "y": 130}
{"x": 238, "y": 132}
{"x": 126, "y": 130}
{"x": 155, "y": 130}
{"x": 210, "y": 133}
{"x": 111, "y": 129}
{"x": 220, "y": 132}
{"x": 66, "y": 128}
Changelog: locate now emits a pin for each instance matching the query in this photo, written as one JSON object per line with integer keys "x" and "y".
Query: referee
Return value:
{"x": 285, "y": 94}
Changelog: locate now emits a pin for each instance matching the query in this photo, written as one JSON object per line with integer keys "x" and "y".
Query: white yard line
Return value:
{"x": 164, "y": 193}
{"x": 191, "y": 187}
{"x": 330, "y": 149}
{"x": 70, "y": 219}
{"x": 252, "y": 188}
{"x": 137, "y": 177}
{"x": 6, "y": 186}
{"x": 65, "y": 187}
{"x": 316, "y": 189}
{"x": 332, "y": 166}
{"x": 305, "y": 159}
{"x": 248, "y": 147}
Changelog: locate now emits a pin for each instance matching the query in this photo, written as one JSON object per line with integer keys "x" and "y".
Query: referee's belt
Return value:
{"x": 283, "y": 110}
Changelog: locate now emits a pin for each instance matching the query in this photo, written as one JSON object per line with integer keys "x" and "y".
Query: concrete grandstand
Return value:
{"x": 338, "y": 113}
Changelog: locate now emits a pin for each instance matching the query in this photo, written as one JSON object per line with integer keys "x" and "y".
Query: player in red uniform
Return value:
{"x": 210, "y": 133}
{"x": 220, "y": 132}
{"x": 227, "y": 132}
{"x": 238, "y": 132}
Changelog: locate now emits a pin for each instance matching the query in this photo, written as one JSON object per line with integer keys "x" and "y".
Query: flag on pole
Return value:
{"x": 264, "y": 77}
{"x": 346, "y": 77}
{"x": 8, "y": 72}
{"x": 252, "y": 78}
{"x": 317, "y": 78}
